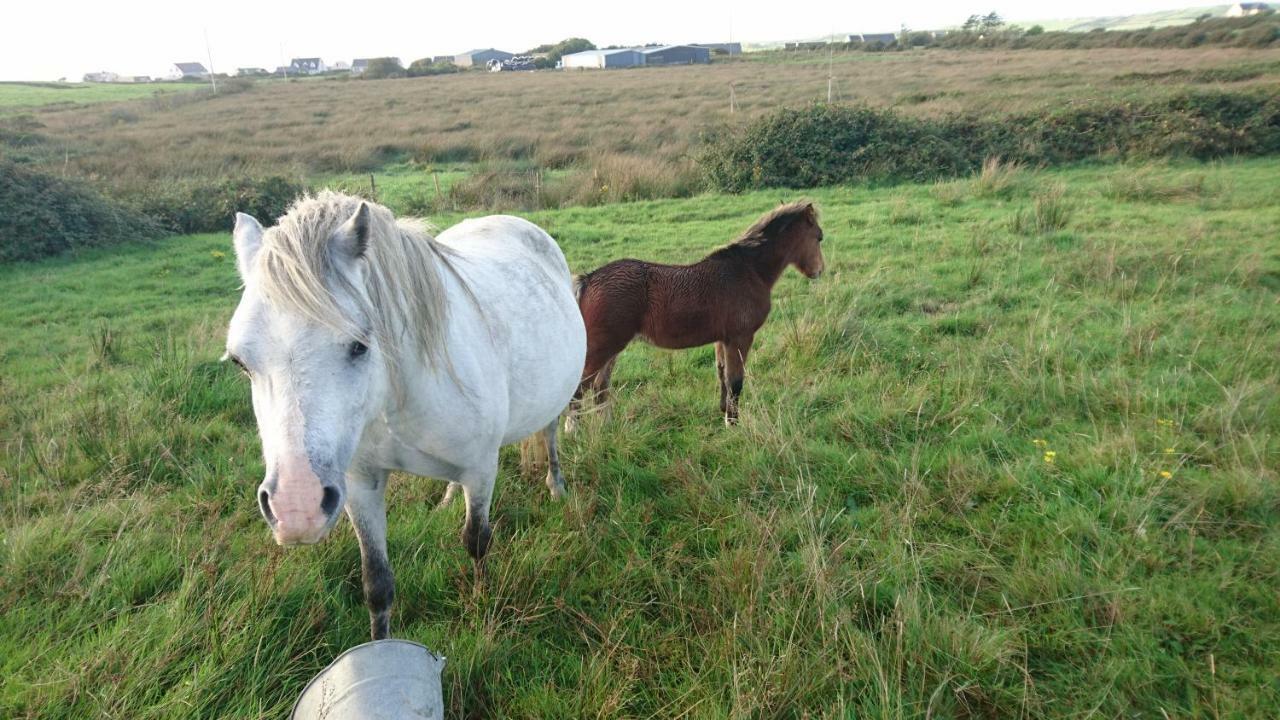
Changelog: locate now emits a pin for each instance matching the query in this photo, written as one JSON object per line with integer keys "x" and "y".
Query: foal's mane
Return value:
{"x": 766, "y": 228}
{"x": 403, "y": 296}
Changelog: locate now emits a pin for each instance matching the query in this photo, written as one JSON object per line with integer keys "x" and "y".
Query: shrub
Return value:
{"x": 211, "y": 205}
{"x": 383, "y": 67}
{"x": 43, "y": 215}
{"x": 423, "y": 67}
{"x": 828, "y": 144}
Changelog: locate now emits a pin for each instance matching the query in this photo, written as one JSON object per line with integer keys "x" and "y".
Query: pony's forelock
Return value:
{"x": 403, "y": 293}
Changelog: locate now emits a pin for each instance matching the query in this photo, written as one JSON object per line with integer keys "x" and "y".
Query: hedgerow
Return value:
{"x": 825, "y": 144}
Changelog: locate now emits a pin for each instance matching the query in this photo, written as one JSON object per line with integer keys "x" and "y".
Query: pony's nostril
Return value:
{"x": 329, "y": 504}
{"x": 264, "y": 504}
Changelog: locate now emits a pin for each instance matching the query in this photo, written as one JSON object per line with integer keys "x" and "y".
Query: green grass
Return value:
{"x": 882, "y": 537}
{"x": 18, "y": 95}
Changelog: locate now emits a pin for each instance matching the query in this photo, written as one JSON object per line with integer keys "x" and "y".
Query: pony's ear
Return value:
{"x": 353, "y": 237}
{"x": 247, "y": 239}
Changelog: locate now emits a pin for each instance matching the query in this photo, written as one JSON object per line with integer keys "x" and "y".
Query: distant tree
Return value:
{"x": 383, "y": 67}
{"x": 567, "y": 46}
{"x": 424, "y": 66}
{"x": 972, "y": 24}
{"x": 992, "y": 21}
{"x": 1035, "y": 30}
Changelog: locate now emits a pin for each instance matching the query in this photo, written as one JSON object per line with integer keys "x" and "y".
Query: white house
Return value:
{"x": 101, "y": 77}
{"x": 306, "y": 66}
{"x": 1250, "y": 8}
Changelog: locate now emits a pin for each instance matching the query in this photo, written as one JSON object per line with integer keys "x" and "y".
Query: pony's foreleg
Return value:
{"x": 477, "y": 488}
{"x": 555, "y": 480}
{"x": 735, "y": 364}
{"x": 366, "y": 506}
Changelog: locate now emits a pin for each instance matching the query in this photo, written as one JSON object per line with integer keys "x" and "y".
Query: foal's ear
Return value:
{"x": 247, "y": 239}
{"x": 353, "y": 237}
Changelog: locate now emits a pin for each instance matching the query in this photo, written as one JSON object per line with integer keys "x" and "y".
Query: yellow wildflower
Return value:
{"x": 1168, "y": 451}
{"x": 1049, "y": 456}
{"x": 1166, "y": 474}
{"x": 217, "y": 254}
{"x": 1039, "y": 443}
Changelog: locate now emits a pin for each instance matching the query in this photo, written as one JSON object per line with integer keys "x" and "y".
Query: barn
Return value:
{"x": 728, "y": 48}
{"x": 676, "y": 55}
{"x": 600, "y": 59}
{"x": 480, "y": 58}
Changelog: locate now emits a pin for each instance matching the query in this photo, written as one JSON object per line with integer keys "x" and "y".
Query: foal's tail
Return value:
{"x": 580, "y": 287}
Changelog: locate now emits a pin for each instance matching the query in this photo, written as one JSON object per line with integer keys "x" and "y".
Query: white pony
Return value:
{"x": 373, "y": 347}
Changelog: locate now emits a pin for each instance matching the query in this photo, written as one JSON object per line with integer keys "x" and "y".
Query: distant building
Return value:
{"x": 806, "y": 45}
{"x": 136, "y": 79}
{"x": 359, "y": 65}
{"x": 340, "y": 65}
{"x": 480, "y": 58}
{"x": 1245, "y": 9}
{"x": 600, "y": 59}
{"x": 730, "y": 48}
{"x": 676, "y": 55}
{"x": 251, "y": 72}
{"x": 885, "y": 38}
{"x": 101, "y": 77}
{"x": 192, "y": 70}
{"x": 442, "y": 59}
{"x": 306, "y": 66}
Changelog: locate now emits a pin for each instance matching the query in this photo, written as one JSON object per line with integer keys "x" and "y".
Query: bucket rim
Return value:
{"x": 294, "y": 711}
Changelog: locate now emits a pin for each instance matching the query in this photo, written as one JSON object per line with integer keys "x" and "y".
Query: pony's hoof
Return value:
{"x": 730, "y": 421}
{"x": 556, "y": 488}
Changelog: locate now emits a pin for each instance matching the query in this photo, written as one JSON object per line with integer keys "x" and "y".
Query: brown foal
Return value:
{"x": 723, "y": 298}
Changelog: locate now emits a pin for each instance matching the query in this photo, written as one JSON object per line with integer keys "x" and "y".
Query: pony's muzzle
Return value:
{"x": 302, "y": 517}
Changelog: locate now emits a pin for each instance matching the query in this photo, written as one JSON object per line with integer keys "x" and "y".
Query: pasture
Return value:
{"x": 24, "y": 95}
{"x": 1014, "y": 455}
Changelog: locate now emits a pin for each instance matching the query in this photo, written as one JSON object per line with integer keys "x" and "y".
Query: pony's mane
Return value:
{"x": 403, "y": 297}
{"x": 761, "y": 232}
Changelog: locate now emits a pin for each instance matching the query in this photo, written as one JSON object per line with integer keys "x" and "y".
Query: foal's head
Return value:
{"x": 794, "y": 229}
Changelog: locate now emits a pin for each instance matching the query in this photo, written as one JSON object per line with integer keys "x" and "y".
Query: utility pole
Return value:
{"x": 209, "y": 52}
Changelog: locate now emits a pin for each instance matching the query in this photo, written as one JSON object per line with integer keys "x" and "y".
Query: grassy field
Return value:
{"x": 631, "y": 131}
{"x": 20, "y": 95}
{"x": 1014, "y": 455}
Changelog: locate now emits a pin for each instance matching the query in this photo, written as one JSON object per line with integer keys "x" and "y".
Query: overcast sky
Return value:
{"x": 45, "y": 40}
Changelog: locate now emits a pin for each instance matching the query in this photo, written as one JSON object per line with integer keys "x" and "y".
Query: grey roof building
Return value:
{"x": 729, "y": 48}
{"x": 480, "y": 58}
{"x": 676, "y": 55}
{"x": 191, "y": 70}
{"x": 600, "y": 59}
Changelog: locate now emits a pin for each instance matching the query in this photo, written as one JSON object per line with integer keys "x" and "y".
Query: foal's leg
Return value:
{"x": 724, "y": 387}
{"x": 449, "y": 492}
{"x": 735, "y": 368}
{"x": 555, "y": 480}
{"x": 366, "y": 506}
{"x": 594, "y": 386}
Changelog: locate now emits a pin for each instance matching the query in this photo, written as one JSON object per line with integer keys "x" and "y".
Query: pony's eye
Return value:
{"x": 357, "y": 349}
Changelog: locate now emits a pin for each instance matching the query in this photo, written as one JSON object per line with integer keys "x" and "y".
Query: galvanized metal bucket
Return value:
{"x": 379, "y": 680}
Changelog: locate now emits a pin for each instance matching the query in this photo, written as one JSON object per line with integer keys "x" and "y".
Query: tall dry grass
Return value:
{"x": 572, "y": 120}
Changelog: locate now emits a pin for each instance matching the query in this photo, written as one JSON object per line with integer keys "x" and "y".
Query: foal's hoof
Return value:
{"x": 557, "y": 489}
{"x": 730, "y": 420}
{"x": 570, "y": 423}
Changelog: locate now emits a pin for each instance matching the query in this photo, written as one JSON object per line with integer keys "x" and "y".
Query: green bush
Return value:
{"x": 43, "y": 215}
{"x": 424, "y": 66}
{"x": 828, "y": 144}
{"x": 211, "y": 205}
